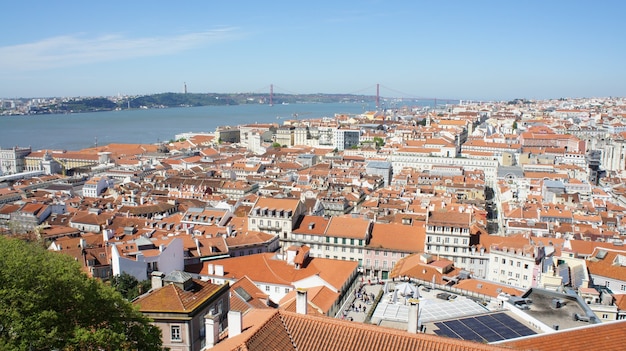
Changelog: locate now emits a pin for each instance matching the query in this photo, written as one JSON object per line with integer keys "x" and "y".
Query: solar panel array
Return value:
{"x": 486, "y": 328}
{"x": 430, "y": 310}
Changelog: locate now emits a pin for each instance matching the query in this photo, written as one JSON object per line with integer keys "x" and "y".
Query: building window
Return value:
{"x": 267, "y": 288}
{"x": 175, "y": 333}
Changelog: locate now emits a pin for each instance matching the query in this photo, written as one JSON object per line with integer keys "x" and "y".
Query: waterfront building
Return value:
{"x": 13, "y": 160}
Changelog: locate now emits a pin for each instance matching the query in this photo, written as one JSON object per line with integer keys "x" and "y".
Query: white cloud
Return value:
{"x": 71, "y": 50}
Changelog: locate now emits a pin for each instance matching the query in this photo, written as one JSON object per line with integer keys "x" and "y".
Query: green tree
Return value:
{"x": 47, "y": 302}
{"x": 380, "y": 142}
{"x": 129, "y": 286}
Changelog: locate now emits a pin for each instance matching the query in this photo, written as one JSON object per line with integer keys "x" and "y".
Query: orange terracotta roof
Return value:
{"x": 348, "y": 227}
{"x": 320, "y": 300}
{"x": 487, "y": 288}
{"x": 399, "y": 237}
{"x": 255, "y": 298}
{"x": 604, "y": 336}
{"x": 449, "y": 218}
{"x": 266, "y": 267}
{"x": 171, "y": 298}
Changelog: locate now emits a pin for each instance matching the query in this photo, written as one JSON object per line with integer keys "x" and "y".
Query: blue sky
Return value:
{"x": 483, "y": 50}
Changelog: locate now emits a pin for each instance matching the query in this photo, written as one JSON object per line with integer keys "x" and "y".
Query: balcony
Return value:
{"x": 269, "y": 227}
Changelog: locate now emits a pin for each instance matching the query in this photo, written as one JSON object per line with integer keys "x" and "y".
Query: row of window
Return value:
{"x": 446, "y": 248}
{"x": 511, "y": 262}
{"x": 276, "y": 289}
{"x": 446, "y": 240}
{"x": 368, "y": 263}
{"x": 269, "y": 222}
{"x": 510, "y": 274}
{"x": 456, "y": 230}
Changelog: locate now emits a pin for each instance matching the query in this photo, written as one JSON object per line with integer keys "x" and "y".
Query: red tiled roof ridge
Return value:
{"x": 269, "y": 268}
{"x": 339, "y": 332}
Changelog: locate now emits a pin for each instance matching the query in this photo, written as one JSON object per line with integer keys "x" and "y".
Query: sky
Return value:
{"x": 477, "y": 50}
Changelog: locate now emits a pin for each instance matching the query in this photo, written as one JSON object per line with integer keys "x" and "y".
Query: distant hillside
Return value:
{"x": 194, "y": 99}
{"x": 178, "y": 99}
{"x": 85, "y": 105}
{"x": 165, "y": 100}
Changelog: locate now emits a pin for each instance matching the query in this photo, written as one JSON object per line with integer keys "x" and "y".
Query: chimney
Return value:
{"x": 414, "y": 310}
{"x": 234, "y": 323}
{"x": 157, "y": 279}
{"x": 301, "y": 301}
{"x": 212, "y": 329}
{"x": 197, "y": 242}
{"x": 219, "y": 270}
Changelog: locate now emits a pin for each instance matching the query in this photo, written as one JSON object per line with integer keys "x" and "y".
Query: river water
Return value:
{"x": 82, "y": 130}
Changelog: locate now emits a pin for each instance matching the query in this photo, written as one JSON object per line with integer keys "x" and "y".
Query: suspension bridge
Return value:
{"x": 391, "y": 96}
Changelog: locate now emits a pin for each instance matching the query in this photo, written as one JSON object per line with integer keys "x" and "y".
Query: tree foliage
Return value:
{"x": 47, "y": 302}
{"x": 380, "y": 142}
{"x": 129, "y": 286}
{"x": 88, "y": 104}
{"x": 178, "y": 99}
